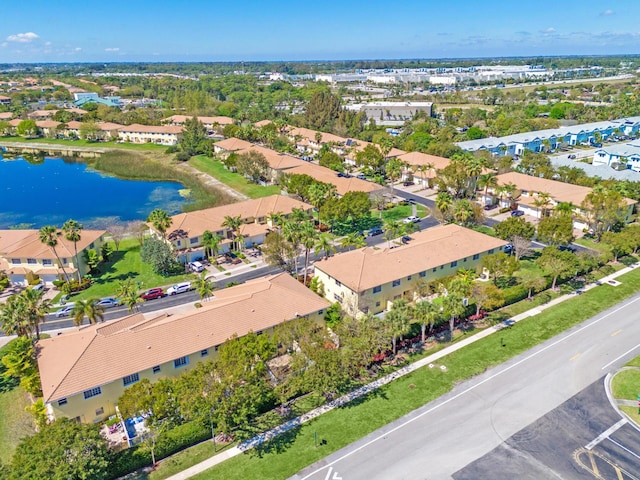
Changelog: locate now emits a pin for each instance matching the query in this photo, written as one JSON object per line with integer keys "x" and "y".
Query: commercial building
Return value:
{"x": 392, "y": 113}
{"x": 369, "y": 280}
{"x": 84, "y": 371}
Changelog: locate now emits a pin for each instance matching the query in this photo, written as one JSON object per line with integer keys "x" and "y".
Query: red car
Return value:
{"x": 152, "y": 293}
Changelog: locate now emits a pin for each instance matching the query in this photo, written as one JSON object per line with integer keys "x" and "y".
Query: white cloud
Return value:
{"x": 4, "y": 44}
{"x": 23, "y": 37}
{"x": 607, "y": 12}
{"x": 47, "y": 44}
{"x": 78, "y": 49}
{"x": 550, "y": 30}
{"x": 112, "y": 49}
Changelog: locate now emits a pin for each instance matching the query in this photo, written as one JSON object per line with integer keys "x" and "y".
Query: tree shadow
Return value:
{"x": 278, "y": 444}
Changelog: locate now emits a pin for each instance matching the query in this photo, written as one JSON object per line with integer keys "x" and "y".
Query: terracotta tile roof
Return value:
{"x": 559, "y": 191}
{"x": 5, "y": 115}
{"x": 195, "y": 223}
{"x": 416, "y": 159}
{"x": 137, "y": 128}
{"x": 232, "y": 144}
{"x": 26, "y": 244}
{"x": 311, "y": 135}
{"x": 42, "y": 113}
{"x": 368, "y": 267}
{"x": 326, "y": 175}
{"x": 277, "y": 161}
{"x": 74, "y": 125}
{"x": 262, "y": 123}
{"x": 108, "y": 126}
{"x": 99, "y": 354}
{"x": 47, "y": 123}
{"x": 180, "y": 119}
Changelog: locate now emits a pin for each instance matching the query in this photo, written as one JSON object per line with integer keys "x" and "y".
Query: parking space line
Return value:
{"x": 624, "y": 448}
{"x": 606, "y": 434}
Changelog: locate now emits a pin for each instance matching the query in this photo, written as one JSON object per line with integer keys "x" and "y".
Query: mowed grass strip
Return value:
{"x": 291, "y": 452}
{"x": 626, "y": 385}
{"x": 216, "y": 169}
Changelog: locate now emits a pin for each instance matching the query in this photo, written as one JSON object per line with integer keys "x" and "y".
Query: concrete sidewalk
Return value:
{"x": 427, "y": 361}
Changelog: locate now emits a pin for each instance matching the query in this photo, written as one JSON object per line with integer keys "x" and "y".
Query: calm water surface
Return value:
{"x": 55, "y": 190}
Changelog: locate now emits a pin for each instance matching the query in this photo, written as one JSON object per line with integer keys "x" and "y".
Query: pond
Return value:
{"x": 50, "y": 191}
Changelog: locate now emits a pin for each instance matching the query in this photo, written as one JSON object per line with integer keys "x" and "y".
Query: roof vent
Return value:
{"x": 148, "y": 347}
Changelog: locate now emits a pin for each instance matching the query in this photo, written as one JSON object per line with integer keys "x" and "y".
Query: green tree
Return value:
{"x": 515, "y": 227}
{"x": 393, "y": 169}
{"x": 89, "y": 131}
{"x": 49, "y": 236}
{"x": 203, "y": 286}
{"x": 19, "y": 362}
{"x": 194, "y": 137}
{"x": 27, "y": 128}
{"x": 556, "y": 263}
{"x": 278, "y": 251}
{"x": 325, "y": 244}
{"x": 352, "y": 240}
{"x": 160, "y": 220}
{"x": 398, "y": 319}
{"x": 89, "y": 309}
{"x": 253, "y": 165}
{"x": 556, "y": 230}
{"x": 211, "y": 243}
{"x": 127, "y": 291}
{"x": 72, "y": 229}
{"x": 532, "y": 281}
{"x": 233, "y": 224}
{"x": 426, "y": 312}
{"x": 14, "y": 318}
{"x": 322, "y": 110}
{"x": 444, "y": 202}
{"x": 500, "y": 265}
{"x": 620, "y": 242}
{"x": 159, "y": 255}
{"x": 603, "y": 209}
{"x": 62, "y": 450}
{"x": 487, "y": 296}
{"x": 36, "y": 307}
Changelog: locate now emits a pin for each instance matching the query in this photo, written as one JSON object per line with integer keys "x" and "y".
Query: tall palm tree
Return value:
{"x": 204, "y": 286}
{"x": 444, "y": 201}
{"x": 399, "y": 320}
{"x": 486, "y": 181}
{"x": 352, "y": 240}
{"x": 36, "y": 308}
{"x": 211, "y": 243}
{"x": 87, "y": 308}
{"x": 233, "y": 224}
{"x": 325, "y": 245}
{"x": 13, "y": 317}
{"x": 422, "y": 169}
{"x": 541, "y": 202}
{"x": 426, "y": 312}
{"x": 127, "y": 291}
{"x": 49, "y": 236}
{"x": 160, "y": 220}
{"x": 391, "y": 229}
{"x": 71, "y": 229}
{"x": 474, "y": 167}
{"x": 276, "y": 219}
{"x": 308, "y": 238}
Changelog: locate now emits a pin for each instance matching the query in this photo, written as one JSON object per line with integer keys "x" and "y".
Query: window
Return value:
{"x": 377, "y": 289}
{"x": 260, "y": 332}
{"x": 454, "y": 264}
{"x": 409, "y": 277}
{"x": 91, "y": 245}
{"x": 441, "y": 267}
{"x": 337, "y": 297}
{"x": 129, "y": 379}
{"x": 397, "y": 297}
{"x": 47, "y": 261}
{"x": 320, "y": 312}
{"x": 156, "y": 369}
{"x": 16, "y": 261}
{"x": 435, "y": 269}
{"x": 179, "y": 362}
{"x": 491, "y": 251}
{"x": 476, "y": 256}
{"x": 423, "y": 274}
{"x": 178, "y": 243}
{"x": 396, "y": 283}
{"x": 65, "y": 261}
{"x": 92, "y": 392}
{"x": 377, "y": 304}
{"x": 465, "y": 259}
{"x": 338, "y": 283}
{"x": 216, "y": 348}
{"x": 204, "y": 353}
{"x": 99, "y": 411}
{"x": 193, "y": 241}
{"x": 31, "y": 261}
{"x": 62, "y": 401}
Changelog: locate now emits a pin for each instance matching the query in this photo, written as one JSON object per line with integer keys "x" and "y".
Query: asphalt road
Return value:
{"x": 446, "y": 435}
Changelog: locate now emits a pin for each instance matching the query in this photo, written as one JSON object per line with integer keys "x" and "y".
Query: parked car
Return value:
{"x": 64, "y": 311}
{"x": 491, "y": 206}
{"x": 405, "y": 239}
{"x": 233, "y": 258}
{"x": 196, "y": 266}
{"x": 567, "y": 248}
{"x": 411, "y": 219}
{"x": 597, "y": 145}
{"x": 374, "y": 231}
{"x": 152, "y": 294}
{"x": 508, "y": 248}
{"x": 108, "y": 302}
{"x": 407, "y": 184}
{"x": 517, "y": 213}
{"x": 38, "y": 287}
{"x": 179, "y": 288}
{"x": 361, "y": 176}
{"x": 572, "y": 156}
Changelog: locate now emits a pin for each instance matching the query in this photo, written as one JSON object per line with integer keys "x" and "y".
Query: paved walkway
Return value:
{"x": 212, "y": 181}
{"x": 427, "y": 361}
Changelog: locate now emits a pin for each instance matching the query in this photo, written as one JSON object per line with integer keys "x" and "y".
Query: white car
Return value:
{"x": 108, "y": 302}
{"x": 64, "y": 311}
{"x": 411, "y": 219}
{"x": 196, "y": 266}
{"x": 179, "y": 288}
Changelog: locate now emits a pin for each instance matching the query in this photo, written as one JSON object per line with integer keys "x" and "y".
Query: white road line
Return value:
{"x": 624, "y": 448}
{"x": 605, "y": 434}
{"x": 473, "y": 387}
{"x": 618, "y": 358}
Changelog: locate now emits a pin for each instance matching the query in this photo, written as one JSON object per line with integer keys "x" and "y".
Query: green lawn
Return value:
{"x": 216, "y": 169}
{"x": 401, "y": 212}
{"x": 589, "y": 243}
{"x": 293, "y": 451}
{"x": 484, "y": 229}
{"x": 626, "y": 385}
{"x": 632, "y": 412}
{"x": 124, "y": 264}
{"x": 634, "y": 363}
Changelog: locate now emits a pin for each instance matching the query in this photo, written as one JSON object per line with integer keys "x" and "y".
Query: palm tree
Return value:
{"x": 203, "y": 286}
{"x": 276, "y": 219}
{"x": 325, "y": 245}
{"x": 36, "y": 308}
{"x": 474, "y": 167}
{"x": 127, "y": 290}
{"x": 352, "y": 240}
{"x": 486, "y": 181}
{"x": 71, "y": 229}
{"x": 211, "y": 243}
{"x": 391, "y": 230}
{"x": 13, "y": 317}
{"x": 426, "y": 312}
{"x": 541, "y": 202}
{"x": 462, "y": 211}
{"x": 308, "y": 238}
{"x": 443, "y": 203}
{"x": 421, "y": 169}
{"x": 453, "y": 308}
{"x": 564, "y": 208}
{"x": 399, "y": 320}
{"x": 160, "y": 220}
{"x": 49, "y": 236}
{"x": 89, "y": 309}
{"x": 233, "y": 224}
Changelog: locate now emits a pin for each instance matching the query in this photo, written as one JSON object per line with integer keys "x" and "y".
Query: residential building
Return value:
{"x": 81, "y": 98}
{"x": 107, "y": 130}
{"x": 84, "y": 371}
{"x": 186, "y": 230}
{"x": 369, "y": 280}
{"x": 5, "y": 100}
{"x": 6, "y": 115}
{"x": 161, "y": 135}
{"x": 210, "y": 123}
{"x": 529, "y": 189}
{"x": 23, "y": 255}
{"x": 343, "y": 183}
{"x": 544, "y": 140}
{"x": 422, "y": 166}
{"x": 625, "y": 155}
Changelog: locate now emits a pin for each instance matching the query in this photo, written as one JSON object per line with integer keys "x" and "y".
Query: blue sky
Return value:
{"x": 237, "y": 30}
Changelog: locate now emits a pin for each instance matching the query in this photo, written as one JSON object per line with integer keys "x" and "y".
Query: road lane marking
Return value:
{"x": 605, "y": 434}
{"x": 577, "y": 355}
{"x": 624, "y": 448}
{"x": 471, "y": 388}
{"x": 616, "y": 333}
{"x": 618, "y": 358}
